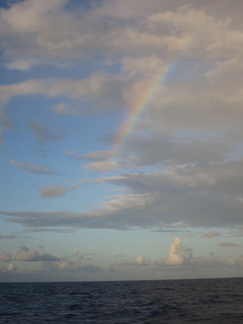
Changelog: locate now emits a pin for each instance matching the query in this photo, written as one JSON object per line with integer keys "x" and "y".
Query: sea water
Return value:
{"x": 160, "y": 301}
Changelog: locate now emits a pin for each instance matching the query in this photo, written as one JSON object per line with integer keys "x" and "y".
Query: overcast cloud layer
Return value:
{"x": 75, "y": 77}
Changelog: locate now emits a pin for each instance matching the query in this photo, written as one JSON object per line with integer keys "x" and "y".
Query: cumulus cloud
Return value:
{"x": 72, "y": 266}
{"x": 78, "y": 254}
{"x": 140, "y": 260}
{"x": 5, "y": 257}
{"x": 31, "y": 255}
{"x": 176, "y": 253}
{"x": 10, "y": 268}
{"x": 182, "y": 256}
{"x": 28, "y": 255}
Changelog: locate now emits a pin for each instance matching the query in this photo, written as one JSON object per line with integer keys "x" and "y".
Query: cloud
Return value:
{"x": 139, "y": 261}
{"x": 195, "y": 196}
{"x": 5, "y": 257}
{"x": 5, "y": 124}
{"x": 188, "y": 146}
{"x": 63, "y": 265}
{"x": 31, "y": 255}
{"x": 91, "y": 268}
{"x": 30, "y": 167}
{"x": 53, "y": 191}
{"x": 226, "y": 244}
{"x": 10, "y": 268}
{"x": 103, "y": 160}
{"x": 95, "y": 155}
{"x": 210, "y": 234}
{"x": 43, "y": 133}
{"x": 100, "y": 92}
{"x": 7, "y": 237}
{"x": 65, "y": 109}
{"x": 72, "y": 266}
{"x": 103, "y": 165}
{"x": 176, "y": 253}
{"x": 77, "y": 253}
{"x": 162, "y": 29}
{"x": 181, "y": 258}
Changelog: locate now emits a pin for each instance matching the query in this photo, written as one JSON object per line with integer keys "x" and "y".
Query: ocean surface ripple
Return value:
{"x": 160, "y": 301}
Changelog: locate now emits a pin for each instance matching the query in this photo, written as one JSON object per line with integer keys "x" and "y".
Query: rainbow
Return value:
{"x": 151, "y": 88}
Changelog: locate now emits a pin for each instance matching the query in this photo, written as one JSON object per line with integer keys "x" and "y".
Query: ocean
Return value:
{"x": 158, "y": 301}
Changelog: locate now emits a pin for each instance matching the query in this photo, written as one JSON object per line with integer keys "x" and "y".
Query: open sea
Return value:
{"x": 159, "y": 301}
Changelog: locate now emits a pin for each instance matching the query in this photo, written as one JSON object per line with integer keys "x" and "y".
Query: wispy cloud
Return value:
{"x": 52, "y": 191}
{"x": 210, "y": 234}
{"x": 43, "y": 133}
{"x": 30, "y": 167}
{"x": 227, "y": 244}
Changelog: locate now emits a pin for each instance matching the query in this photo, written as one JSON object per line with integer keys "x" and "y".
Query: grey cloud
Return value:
{"x": 102, "y": 91}
{"x": 89, "y": 35}
{"x": 30, "y": 167}
{"x": 91, "y": 268}
{"x": 139, "y": 261}
{"x": 72, "y": 266}
{"x": 206, "y": 195}
{"x": 210, "y": 234}
{"x": 28, "y": 255}
{"x": 5, "y": 124}
{"x": 65, "y": 109}
{"x": 43, "y": 133}
{"x": 159, "y": 150}
{"x": 52, "y": 191}
{"x": 7, "y": 237}
{"x": 31, "y": 255}
{"x": 227, "y": 244}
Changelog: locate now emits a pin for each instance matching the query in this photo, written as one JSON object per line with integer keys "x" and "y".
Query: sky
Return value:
{"x": 121, "y": 137}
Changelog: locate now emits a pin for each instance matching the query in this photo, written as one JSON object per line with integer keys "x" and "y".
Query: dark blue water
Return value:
{"x": 170, "y": 301}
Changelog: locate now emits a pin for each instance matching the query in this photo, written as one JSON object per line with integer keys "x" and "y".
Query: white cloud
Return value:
{"x": 174, "y": 256}
{"x": 182, "y": 259}
{"x": 140, "y": 260}
{"x": 177, "y": 254}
